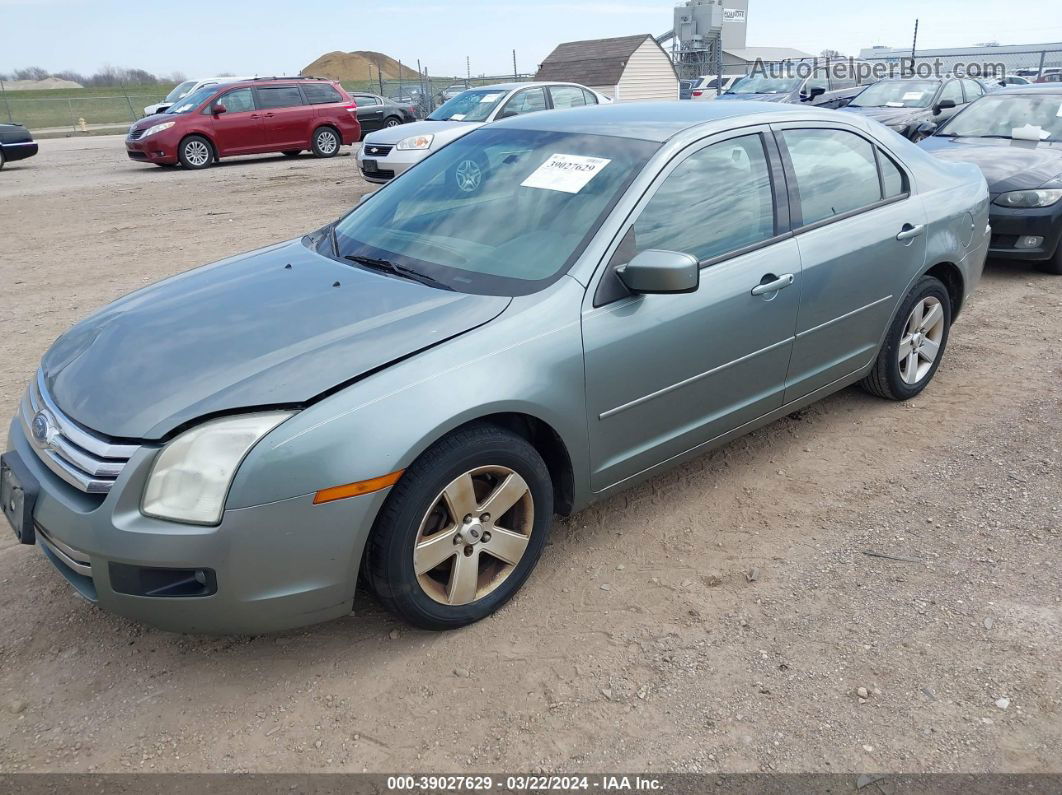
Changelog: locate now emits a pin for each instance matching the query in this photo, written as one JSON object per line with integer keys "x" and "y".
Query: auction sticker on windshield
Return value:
{"x": 566, "y": 173}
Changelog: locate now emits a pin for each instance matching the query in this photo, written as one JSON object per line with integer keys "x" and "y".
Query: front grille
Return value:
{"x": 133, "y": 155}
{"x": 376, "y": 150}
{"x": 380, "y": 173}
{"x": 78, "y": 456}
{"x": 134, "y": 135}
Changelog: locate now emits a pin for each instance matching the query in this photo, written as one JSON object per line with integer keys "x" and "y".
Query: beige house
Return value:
{"x": 628, "y": 68}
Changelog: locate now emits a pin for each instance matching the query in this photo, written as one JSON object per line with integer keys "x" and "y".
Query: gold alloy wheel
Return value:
{"x": 473, "y": 535}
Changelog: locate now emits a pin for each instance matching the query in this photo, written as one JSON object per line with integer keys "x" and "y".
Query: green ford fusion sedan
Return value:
{"x": 412, "y": 392}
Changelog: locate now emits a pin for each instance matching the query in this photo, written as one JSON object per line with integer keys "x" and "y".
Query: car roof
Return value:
{"x": 526, "y": 84}
{"x": 1032, "y": 88}
{"x": 658, "y": 121}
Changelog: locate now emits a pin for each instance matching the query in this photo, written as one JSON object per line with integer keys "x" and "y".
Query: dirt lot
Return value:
{"x": 721, "y": 617}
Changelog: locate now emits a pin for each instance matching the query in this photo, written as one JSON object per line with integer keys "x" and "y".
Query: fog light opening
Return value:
{"x": 1029, "y": 241}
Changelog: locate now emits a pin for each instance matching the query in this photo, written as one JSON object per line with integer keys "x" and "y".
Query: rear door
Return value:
{"x": 567, "y": 97}
{"x": 860, "y": 232}
{"x": 239, "y": 129}
{"x": 286, "y": 119}
{"x": 370, "y": 111}
{"x": 527, "y": 100}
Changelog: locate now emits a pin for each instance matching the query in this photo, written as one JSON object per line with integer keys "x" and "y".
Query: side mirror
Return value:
{"x": 944, "y": 104}
{"x": 816, "y": 91}
{"x": 656, "y": 271}
{"x": 924, "y": 130}
{"x": 218, "y": 109}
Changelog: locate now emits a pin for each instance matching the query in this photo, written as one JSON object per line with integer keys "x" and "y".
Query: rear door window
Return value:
{"x": 590, "y": 97}
{"x": 836, "y": 172}
{"x": 527, "y": 101}
{"x": 952, "y": 90}
{"x": 973, "y": 89}
{"x": 567, "y": 97}
{"x": 279, "y": 97}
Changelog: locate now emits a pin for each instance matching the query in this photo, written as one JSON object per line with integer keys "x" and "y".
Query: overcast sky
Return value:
{"x": 274, "y": 37}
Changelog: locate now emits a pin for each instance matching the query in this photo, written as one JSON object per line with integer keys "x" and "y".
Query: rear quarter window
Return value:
{"x": 320, "y": 94}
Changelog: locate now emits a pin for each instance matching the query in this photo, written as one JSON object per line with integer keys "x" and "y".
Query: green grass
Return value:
{"x": 62, "y": 107}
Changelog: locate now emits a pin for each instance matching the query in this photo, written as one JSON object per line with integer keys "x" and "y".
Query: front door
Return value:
{"x": 861, "y": 237}
{"x": 286, "y": 120}
{"x": 239, "y": 129}
{"x": 666, "y": 373}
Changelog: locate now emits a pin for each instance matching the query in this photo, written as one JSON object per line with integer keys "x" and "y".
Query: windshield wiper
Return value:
{"x": 394, "y": 268}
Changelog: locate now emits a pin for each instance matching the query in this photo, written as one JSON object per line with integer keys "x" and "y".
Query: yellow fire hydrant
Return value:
{"x": 82, "y": 125}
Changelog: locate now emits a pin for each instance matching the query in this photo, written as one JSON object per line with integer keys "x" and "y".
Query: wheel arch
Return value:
{"x": 950, "y": 274}
{"x": 544, "y": 438}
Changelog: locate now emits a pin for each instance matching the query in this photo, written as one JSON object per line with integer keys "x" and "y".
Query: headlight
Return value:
{"x": 416, "y": 142}
{"x": 157, "y": 128}
{"x": 1029, "y": 198}
{"x": 190, "y": 478}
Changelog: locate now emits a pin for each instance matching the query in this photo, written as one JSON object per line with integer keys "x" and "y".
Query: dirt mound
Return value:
{"x": 360, "y": 65}
{"x": 37, "y": 85}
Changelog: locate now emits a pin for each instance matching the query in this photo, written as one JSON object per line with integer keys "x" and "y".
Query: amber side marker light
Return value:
{"x": 356, "y": 489}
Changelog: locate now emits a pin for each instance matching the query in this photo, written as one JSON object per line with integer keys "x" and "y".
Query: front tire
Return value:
{"x": 195, "y": 152}
{"x": 462, "y": 529}
{"x": 326, "y": 142}
{"x": 914, "y": 344}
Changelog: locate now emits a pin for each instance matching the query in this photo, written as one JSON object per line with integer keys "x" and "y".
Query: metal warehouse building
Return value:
{"x": 628, "y": 68}
{"x": 1013, "y": 56}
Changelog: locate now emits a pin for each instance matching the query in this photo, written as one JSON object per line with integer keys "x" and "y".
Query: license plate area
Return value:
{"x": 369, "y": 165}
{"x": 18, "y": 496}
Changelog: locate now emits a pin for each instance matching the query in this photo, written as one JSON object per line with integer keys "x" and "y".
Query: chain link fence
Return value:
{"x": 428, "y": 92}
{"x": 980, "y": 62}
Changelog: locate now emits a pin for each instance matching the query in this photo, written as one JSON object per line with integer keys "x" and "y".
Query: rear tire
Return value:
{"x": 392, "y": 121}
{"x": 292, "y": 153}
{"x": 1, "y": 158}
{"x": 326, "y": 142}
{"x": 914, "y": 344}
{"x": 195, "y": 152}
{"x": 445, "y": 499}
{"x": 1053, "y": 265}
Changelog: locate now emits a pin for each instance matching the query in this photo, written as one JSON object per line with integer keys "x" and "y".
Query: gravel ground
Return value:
{"x": 861, "y": 586}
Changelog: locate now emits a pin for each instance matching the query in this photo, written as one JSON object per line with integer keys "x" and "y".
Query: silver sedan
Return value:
{"x": 387, "y": 153}
{"x": 413, "y": 391}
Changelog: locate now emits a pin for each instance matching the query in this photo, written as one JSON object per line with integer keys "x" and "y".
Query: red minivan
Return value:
{"x": 248, "y": 117}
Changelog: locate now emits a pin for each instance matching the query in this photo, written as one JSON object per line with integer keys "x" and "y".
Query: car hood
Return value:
{"x": 1007, "y": 165}
{"x": 444, "y": 131}
{"x": 891, "y": 116}
{"x": 151, "y": 121}
{"x": 275, "y": 327}
{"x": 757, "y": 97}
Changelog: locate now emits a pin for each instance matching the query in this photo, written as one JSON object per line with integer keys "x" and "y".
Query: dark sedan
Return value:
{"x": 376, "y": 112}
{"x": 1015, "y": 136}
{"x": 16, "y": 143}
{"x": 913, "y": 107}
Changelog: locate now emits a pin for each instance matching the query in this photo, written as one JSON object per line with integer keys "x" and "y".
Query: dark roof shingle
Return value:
{"x": 594, "y": 62}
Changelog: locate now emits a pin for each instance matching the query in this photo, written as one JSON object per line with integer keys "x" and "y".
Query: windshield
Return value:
{"x": 473, "y": 105}
{"x": 180, "y": 91}
{"x": 496, "y": 212}
{"x": 761, "y": 84}
{"x": 193, "y": 100}
{"x": 998, "y": 116}
{"x": 899, "y": 94}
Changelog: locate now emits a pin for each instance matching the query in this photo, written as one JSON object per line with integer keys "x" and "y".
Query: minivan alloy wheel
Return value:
{"x": 920, "y": 343}
{"x": 473, "y": 535}
{"x": 327, "y": 143}
{"x": 197, "y": 153}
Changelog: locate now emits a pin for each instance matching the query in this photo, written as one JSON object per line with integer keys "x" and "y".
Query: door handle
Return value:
{"x": 775, "y": 284}
{"x": 907, "y": 232}
{"x": 268, "y": 115}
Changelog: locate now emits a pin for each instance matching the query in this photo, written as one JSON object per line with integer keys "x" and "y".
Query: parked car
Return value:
{"x": 16, "y": 143}
{"x": 376, "y": 112}
{"x": 449, "y": 93}
{"x": 1015, "y": 137}
{"x": 913, "y": 107}
{"x": 686, "y": 87}
{"x": 386, "y": 154}
{"x": 414, "y": 390}
{"x": 262, "y": 115}
{"x": 1050, "y": 76}
{"x": 822, "y": 88}
{"x": 709, "y": 86}
{"x": 187, "y": 88}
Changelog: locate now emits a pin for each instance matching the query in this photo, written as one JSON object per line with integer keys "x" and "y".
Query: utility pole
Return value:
{"x": 379, "y": 77}
{"x": 3, "y": 92}
{"x": 468, "y": 71}
{"x": 515, "y": 73}
{"x": 914, "y": 45}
